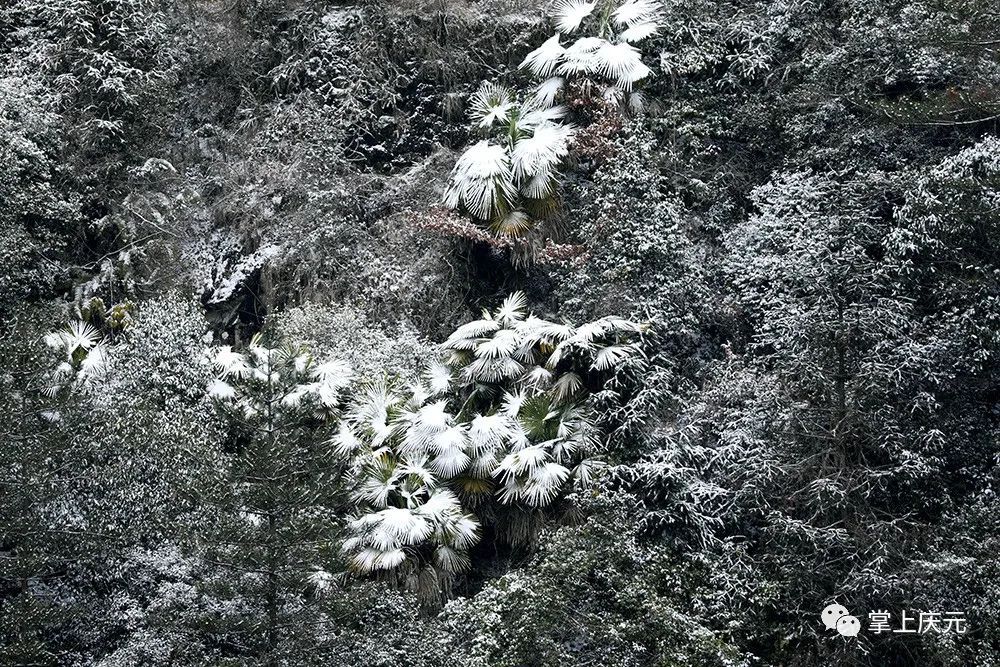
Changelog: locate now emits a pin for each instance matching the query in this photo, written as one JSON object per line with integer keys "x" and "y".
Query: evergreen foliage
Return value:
{"x": 736, "y": 360}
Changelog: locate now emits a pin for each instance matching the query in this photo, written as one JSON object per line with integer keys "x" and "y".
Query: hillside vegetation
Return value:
{"x": 498, "y": 334}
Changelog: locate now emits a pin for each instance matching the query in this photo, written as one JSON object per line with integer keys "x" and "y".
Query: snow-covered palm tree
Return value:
{"x": 404, "y": 447}
{"x": 604, "y": 49}
{"x": 504, "y": 421}
{"x": 83, "y": 358}
{"x": 538, "y": 368}
{"x": 508, "y": 181}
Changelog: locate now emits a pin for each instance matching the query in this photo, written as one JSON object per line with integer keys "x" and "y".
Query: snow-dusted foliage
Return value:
{"x": 82, "y": 355}
{"x": 603, "y": 51}
{"x": 254, "y": 383}
{"x": 345, "y": 333}
{"x": 509, "y": 180}
{"x": 250, "y": 416}
{"x": 504, "y": 419}
{"x": 620, "y": 593}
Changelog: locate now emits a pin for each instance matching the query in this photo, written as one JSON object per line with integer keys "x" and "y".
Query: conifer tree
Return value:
{"x": 272, "y": 513}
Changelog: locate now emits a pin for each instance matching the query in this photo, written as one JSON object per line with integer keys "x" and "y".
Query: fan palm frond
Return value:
{"x": 514, "y": 224}
{"x": 621, "y": 63}
{"x": 639, "y": 31}
{"x": 434, "y": 417}
{"x": 583, "y": 472}
{"x": 537, "y": 378}
{"x": 346, "y": 443}
{"x": 451, "y": 560}
{"x": 542, "y": 152}
{"x": 377, "y": 491}
{"x": 512, "y": 309}
{"x": 502, "y": 344}
{"x": 232, "y": 364}
{"x": 611, "y": 356}
{"x": 484, "y": 464}
{"x": 580, "y": 57}
{"x": 544, "y": 484}
{"x": 409, "y": 527}
{"x": 93, "y": 364}
{"x": 543, "y": 60}
{"x": 418, "y": 395}
{"x": 634, "y": 12}
{"x": 491, "y": 103}
{"x": 566, "y": 386}
{"x": 366, "y": 560}
{"x": 511, "y": 490}
{"x": 441, "y": 506}
{"x": 438, "y": 378}
{"x": 472, "y": 330}
{"x": 464, "y": 532}
{"x": 452, "y": 438}
{"x": 535, "y": 117}
{"x": 493, "y": 370}
{"x": 517, "y": 463}
{"x": 546, "y": 91}
{"x": 482, "y": 181}
{"x": 81, "y": 335}
{"x": 571, "y": 13}
{"x": 390, "y": 559}
{"x": 334, "y": 373}
{"x": 540, "y": 186}
{"x": 637, "y": 102}
{"x": 55, "y": 340}
{"x": 450, "y": 462}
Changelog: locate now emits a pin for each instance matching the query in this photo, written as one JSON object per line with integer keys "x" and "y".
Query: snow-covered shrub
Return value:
{"x": 38, "y": 208}
{"x": 596, "y": 593}
{"x": 343, "y": 332}
{"x": 144, "y": 414}
{"x": 148, "y": 412}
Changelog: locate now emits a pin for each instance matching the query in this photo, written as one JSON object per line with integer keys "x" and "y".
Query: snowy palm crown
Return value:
{"x": 508, "y": 180}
